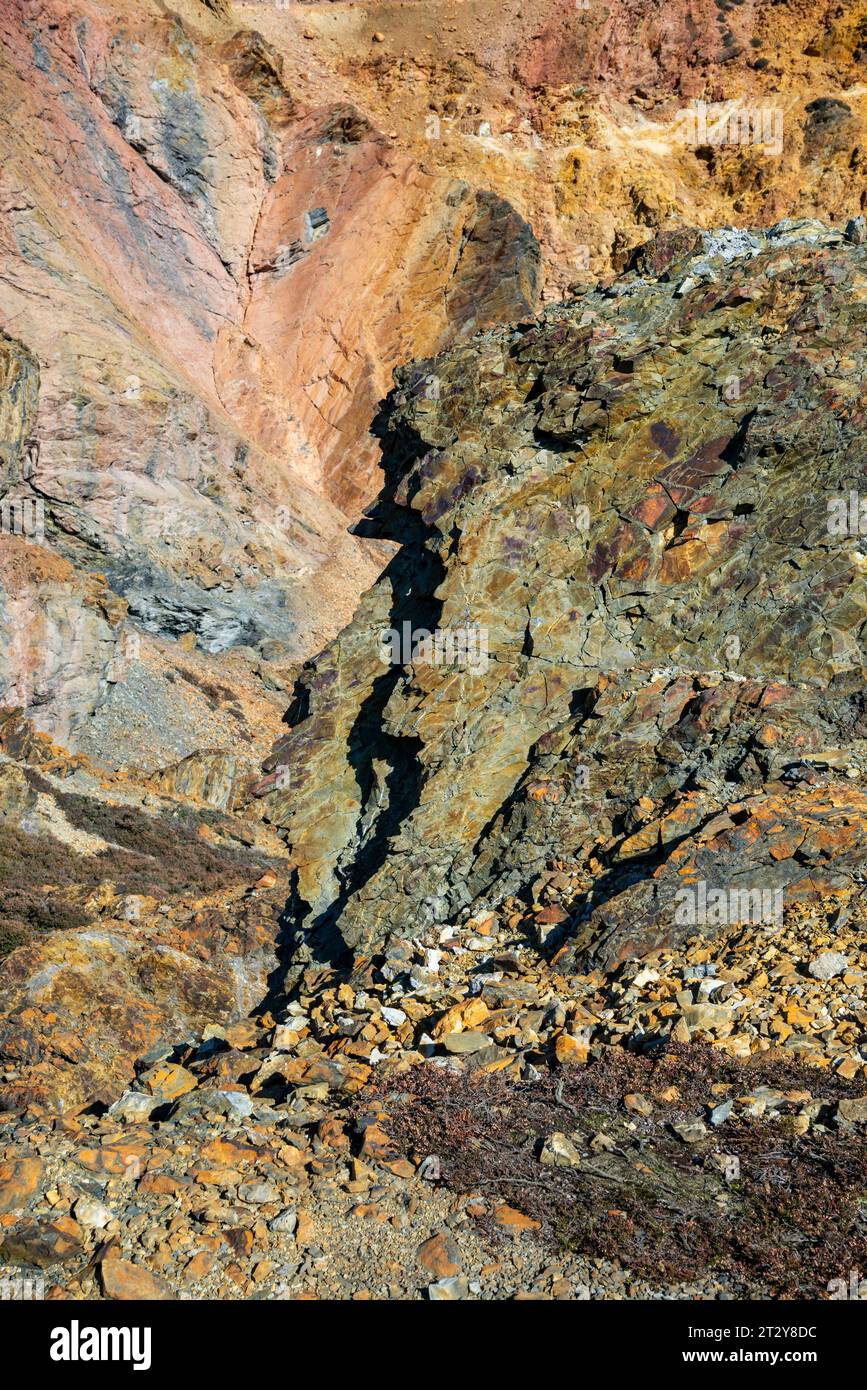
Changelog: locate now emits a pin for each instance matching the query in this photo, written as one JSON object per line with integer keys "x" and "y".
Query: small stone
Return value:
{"x": 133, "y": 1106}
{"x": 287, "y": 1035}
{"x": 447, "y": 1290}
{"x": 126, "y": 1282}
{"x": 304, "y": 1229}
{"x": 468, "y": 1014}
{"x": 720, "y": 1113}
{"x": 571, "y": 1051}
{"x": 680, "y": 1032}
{"x": 285, "y": 1223}
{"x": 848, "y": 1068}
{"x": 707, "y": 1018}
{"x": 168, "y": 1080}
{"x": 690, "y": 1131}
{"x": 440, "y": 1256}
{"x": 558, "y": 1151}
{"x": 236, "y": 1103}
{"x": 394, "y": 1017}
{"x": 466, "y": 1042}
{"x": 378, "y": 37}
{"x": 602, "y": 1143}
{"x": 638, "y": 1104}
{"x": 258, "y": 1193}
{"x": 829, "y": 963}
{"x": 856, "y": 231}
{"x": 504, "y": 1215}
{"x": 92, "y": 1213}
{"x": 200, "y": 1265}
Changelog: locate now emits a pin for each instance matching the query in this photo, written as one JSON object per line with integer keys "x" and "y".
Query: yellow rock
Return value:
{"x": 848, "y": 1068}
{"x": 169, "y": 1080}
{"x": 468, "y": 1014}
{"x": 798, "y": 1017}
{"x": 570, "y": 1051}
{"x": 680, "y": 1032}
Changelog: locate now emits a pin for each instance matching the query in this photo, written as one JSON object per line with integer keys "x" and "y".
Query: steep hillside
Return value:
{"x": 534, "y": 963}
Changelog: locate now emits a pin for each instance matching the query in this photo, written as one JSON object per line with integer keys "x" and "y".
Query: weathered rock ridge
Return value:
{"x": 629, "y": 502}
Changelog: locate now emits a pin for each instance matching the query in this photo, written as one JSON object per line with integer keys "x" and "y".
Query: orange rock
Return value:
{"x": 439, "y": 1255}
{"x": 200, "y": 1265}
{"x": 19, "y": 1181}
{"x": 570, "y": 1051}
{"x": 304, "y": 1229}
{"x": 505, "y": 1215}
{"x": 466, "y": 1015}
{"x": 127, "y": 1282}
{"x": 229, "y": 1153}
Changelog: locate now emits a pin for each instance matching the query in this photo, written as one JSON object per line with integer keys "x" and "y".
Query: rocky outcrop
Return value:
{"x": 199, "y": 344}
{"x": 221, "y": 230}
{"x": 59, "y": 631}
{"x": 19, "y": 394}
{"x": 127, "y": 915}
{"x": 624, "y": 631}
{"x": 209, "y": 777}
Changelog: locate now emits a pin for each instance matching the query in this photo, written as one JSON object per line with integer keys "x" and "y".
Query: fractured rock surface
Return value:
{"x": 630, "y": 503}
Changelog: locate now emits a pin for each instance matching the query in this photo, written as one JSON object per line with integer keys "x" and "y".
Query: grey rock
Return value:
{"x": 257, "y": 1193}
{"x": 827, "y": 965}
{"x": 134, "y": 1105}
{"x": 466, "y": 1042}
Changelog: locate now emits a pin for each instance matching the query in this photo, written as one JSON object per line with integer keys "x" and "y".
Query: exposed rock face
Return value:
{"x": 606, "y": 701}
{"x": 209, "y": 777}
{"x": 221, "y": 228}
{"x": 628, "y": 512}
{"x": 206, "y": 253}
{"x": 59, "y": 631}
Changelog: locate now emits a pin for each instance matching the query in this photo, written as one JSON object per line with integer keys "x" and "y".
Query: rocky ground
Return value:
{"x": 470, "y": 990}
{"x": 492, "y": 1130}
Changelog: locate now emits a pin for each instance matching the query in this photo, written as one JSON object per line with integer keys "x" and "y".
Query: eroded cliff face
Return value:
{"x": 567, "y": 822}
{"x": 222, "y": 227}
{"x": 211, "y": 263}
{"x": 343, "y": 726}
{"x": 624, "y": 633}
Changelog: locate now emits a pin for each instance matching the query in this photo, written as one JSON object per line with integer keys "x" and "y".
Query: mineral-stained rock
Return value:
{"x": 624, "y": 629}
{"x": 126, "y": 1282}
{"x": 19, "y": 1181}
{"x": 19, "y": 393}
{"x": 220, "y": 231}
{"x": 43, "y": 1243}
{"x": 207, "y": 776}
{"x": 439, "y": 1256}
{"x": 199, "y": 346}
{"x": 79, "y": 1007}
